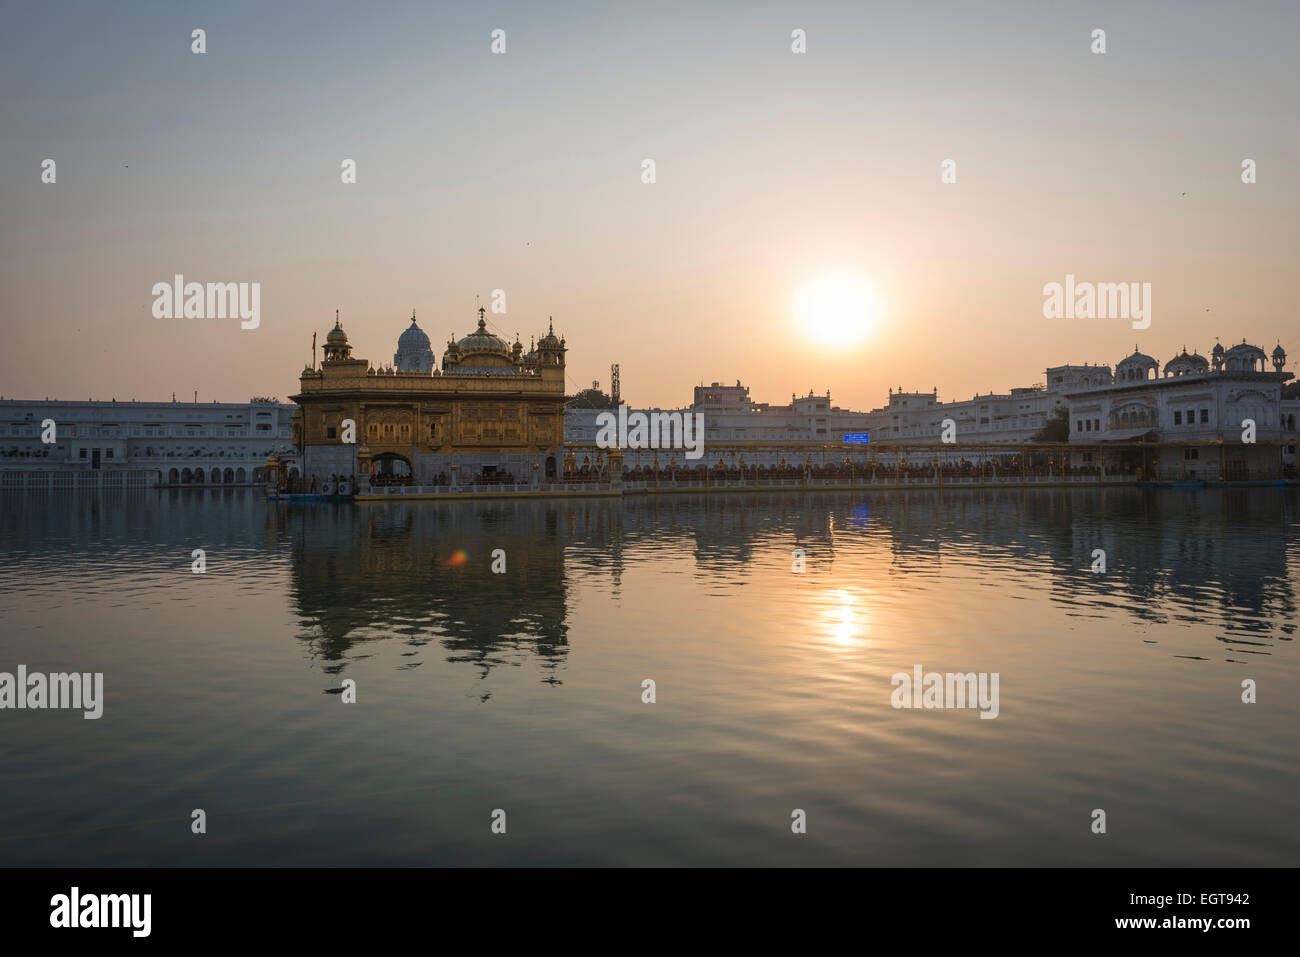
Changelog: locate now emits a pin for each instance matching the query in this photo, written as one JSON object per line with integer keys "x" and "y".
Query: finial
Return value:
{"x": 413, "y": 317}
{"x": 550, "y": 326}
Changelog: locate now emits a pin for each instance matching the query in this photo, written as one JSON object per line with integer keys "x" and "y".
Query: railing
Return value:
{"x": 486, "y": 491}
{"x": 1010, "y": 479}
{"x": 879, "y": 481}
{"x": 38, "y": 480}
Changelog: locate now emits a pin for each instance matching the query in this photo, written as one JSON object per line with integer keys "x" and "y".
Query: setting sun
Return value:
{"x": 841, "y": 306}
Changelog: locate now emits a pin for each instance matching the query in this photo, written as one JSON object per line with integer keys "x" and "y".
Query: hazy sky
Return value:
{"x": 523, "y": 172}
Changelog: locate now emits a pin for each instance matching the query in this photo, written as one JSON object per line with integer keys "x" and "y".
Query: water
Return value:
{"x": 523, "y": 691}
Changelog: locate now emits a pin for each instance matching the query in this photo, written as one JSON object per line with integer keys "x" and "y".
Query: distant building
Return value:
{"x": 170, "y": 443}
{"x": 731, "y": 416}
{"x": 1006, "y": 417}
{"x": 1200, "y": 404}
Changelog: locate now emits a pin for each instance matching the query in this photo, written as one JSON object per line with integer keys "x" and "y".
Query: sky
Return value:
{"x": 776, "y": 174}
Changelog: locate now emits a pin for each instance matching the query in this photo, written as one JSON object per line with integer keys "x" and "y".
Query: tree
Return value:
{"x": 590, "y": 399}
{"x": 1057, "y": 428}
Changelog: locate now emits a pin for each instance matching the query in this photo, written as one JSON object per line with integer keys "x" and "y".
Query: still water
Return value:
{"x": 523, "y": 691}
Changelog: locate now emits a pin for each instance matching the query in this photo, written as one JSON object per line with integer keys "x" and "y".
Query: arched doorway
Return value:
{"x": 186, "y": 476}
{"x": 550, "y": 468}
{"x": 389, "y": 468}
{"x": 230, "y": 475}
{"x": 173, "y": 477}
{"x": 239, "y": 475}
{"x": 198, "y": 476}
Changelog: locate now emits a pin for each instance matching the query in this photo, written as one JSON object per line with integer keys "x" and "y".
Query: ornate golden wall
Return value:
{"x": 406, "y": 414}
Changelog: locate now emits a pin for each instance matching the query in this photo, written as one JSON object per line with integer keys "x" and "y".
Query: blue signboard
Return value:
{"x": 855, "y": 438}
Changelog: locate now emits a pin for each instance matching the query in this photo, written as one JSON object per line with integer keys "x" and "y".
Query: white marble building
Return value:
{"x": 732, "y": 418}
{"x": 158, "y": 443}
{"x": 1200, "y": 404}
{"x": 914, "y": 418}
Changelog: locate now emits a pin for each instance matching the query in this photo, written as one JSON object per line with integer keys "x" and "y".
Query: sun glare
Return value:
{"x": 840, "y": 307}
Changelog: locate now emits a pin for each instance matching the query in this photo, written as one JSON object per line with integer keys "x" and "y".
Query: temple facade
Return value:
{"x": 492, "y": 412}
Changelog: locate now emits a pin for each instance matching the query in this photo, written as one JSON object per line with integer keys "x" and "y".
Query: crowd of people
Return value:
{"x": 496, "y": 478}
{"x": 993, "y": 469}
{"x": 989, "y": 469}
{"x": 390, "y": 480}
{"x": 587, "y": 473}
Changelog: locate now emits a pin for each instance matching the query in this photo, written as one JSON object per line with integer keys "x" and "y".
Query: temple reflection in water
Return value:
{"x": 420, "y": 573}
{"x": 397, "y": 571}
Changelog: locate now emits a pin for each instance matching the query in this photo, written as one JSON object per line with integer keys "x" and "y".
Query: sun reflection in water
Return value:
{"x": 845, "y": 620}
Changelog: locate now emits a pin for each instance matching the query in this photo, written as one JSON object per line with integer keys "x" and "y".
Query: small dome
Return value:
{"x": 1137, "y": 358}
{"x": 1186, "y": 364}
{"x": 1218, "y": 349}
{"x": 336, "y": 343}
{"x": 549, "y": 339}
{"x": 1135, "y": 367}
{"x": 1244, "y": 357}
{"x": 1279, "y": 352}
